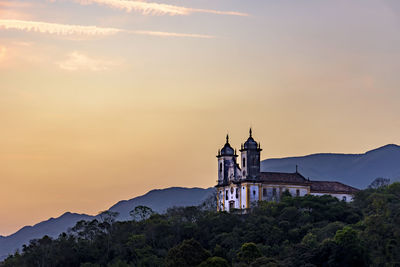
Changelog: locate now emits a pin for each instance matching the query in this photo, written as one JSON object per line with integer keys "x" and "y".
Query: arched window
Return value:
{"x": 244, "y": 163}
{"x": 220, "y": 167}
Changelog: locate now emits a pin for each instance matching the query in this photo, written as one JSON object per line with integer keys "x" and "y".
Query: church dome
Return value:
{"x": 227, "y": 150}
{"x": 250, "y": 143}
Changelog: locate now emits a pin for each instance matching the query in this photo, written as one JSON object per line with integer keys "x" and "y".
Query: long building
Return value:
{"x": 242, "y": 186}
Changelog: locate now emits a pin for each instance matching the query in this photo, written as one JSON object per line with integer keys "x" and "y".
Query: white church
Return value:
{"x": 241, "y": 187}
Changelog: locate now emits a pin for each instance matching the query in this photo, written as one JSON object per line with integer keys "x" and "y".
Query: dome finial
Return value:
{"x": 251, "y": 132}
{"x": 227, "y": 138}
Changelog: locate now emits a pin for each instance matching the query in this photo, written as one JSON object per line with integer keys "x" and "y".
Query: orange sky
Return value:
{"x": 105, "y": 101}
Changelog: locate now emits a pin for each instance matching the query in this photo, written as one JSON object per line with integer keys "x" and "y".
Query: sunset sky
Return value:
{"x": 103, "y": 100}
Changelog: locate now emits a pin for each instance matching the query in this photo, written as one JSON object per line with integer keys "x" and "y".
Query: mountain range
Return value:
{"x": 158, "y": 200}
{"x": 357, "y": 170}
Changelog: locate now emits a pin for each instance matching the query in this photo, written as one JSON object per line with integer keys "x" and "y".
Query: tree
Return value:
{"x": 248, "y": 253}
{"x": 108, "y": 216}
{"x": 215, "y": 262}
{"x": 379, "y": 182}
{"x": 264, "y": 262}
{"x": 140, "y": 213}
{"x": 349, "y": 251}
{"x": 187, "y": 253}
{"x": 210, "y": 203}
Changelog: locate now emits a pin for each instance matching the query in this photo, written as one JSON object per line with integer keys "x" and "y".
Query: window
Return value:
{"x": 231, "y": 190}
{"x": 237, "y": 193}
{"x": 226, "y": 196}
{"x": 344, "y": 198}
{"x": 264, "y": 192}
{"x": 297, "y": 192}
{"x": 254, "y": 191}
{"x": 220, "y": 167}
{"x": 244, "y": 162}
{"x": 273, "y": 191}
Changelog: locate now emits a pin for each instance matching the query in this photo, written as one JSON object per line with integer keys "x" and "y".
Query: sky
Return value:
{"x": 104, "y": 100}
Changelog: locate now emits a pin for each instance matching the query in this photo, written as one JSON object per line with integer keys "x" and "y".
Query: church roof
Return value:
{"x": 315, "y": 186}
{"x": 283, "y": 177}
{"x": 331, "y": 187}
{"x": 250, "y": 143}
{"x": 227, "y": 150}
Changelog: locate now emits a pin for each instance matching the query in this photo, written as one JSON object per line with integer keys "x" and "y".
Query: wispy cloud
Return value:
{"x": 78, "y": 30}
{"x": 150, "y": 8}
{"x": 173, "y": 34}
{"x": 78, "y": 61}
{"x": 54, "y": 28}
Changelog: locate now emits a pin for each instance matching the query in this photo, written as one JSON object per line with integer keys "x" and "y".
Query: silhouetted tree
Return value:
{"x": 140, "y": 213}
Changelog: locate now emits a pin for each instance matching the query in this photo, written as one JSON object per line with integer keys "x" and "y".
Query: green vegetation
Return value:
{"x": 301, "y": 231}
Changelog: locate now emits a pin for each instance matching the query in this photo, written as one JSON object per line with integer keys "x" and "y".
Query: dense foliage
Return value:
{"x": 301, "y": 231}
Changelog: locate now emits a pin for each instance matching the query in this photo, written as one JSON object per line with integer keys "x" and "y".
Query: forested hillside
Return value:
{"x": 301, "y": 231}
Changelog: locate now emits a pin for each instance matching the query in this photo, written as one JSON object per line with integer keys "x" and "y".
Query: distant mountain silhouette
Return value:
{"x": 357, "y": 170}
{"x": 162, "y": 199}
{"x": 52, "y": 227}
{"x": 159, "y": 200}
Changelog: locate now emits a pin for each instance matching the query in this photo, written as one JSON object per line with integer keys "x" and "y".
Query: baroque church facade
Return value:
{"x": 242, "y": 186}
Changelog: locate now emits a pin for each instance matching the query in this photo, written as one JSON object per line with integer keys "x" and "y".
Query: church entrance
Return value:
{"x": 231, "y": 205}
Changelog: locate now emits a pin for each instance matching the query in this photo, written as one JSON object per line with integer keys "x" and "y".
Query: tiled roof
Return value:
{"x": 315, "y": 186}
{"x": 282, "y": 177}
{"x": 331, "y": 187}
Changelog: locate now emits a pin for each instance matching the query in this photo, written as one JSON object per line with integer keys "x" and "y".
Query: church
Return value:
{"x": 240, "y": 187}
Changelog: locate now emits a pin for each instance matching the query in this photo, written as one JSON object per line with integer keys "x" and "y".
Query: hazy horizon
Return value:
{"x": 105, "y": 100}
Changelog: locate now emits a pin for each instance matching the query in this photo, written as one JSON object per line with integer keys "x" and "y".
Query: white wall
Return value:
{"x": 241, "y": 201}
{"x": 254, "y": 193}
{"x": 244, "y": 196}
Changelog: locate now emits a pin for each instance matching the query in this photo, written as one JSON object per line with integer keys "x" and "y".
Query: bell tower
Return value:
{"x": 226, "y": 163}
{"x": 250, "y": 158}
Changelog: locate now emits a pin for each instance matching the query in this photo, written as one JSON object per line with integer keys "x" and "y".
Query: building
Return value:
{"x": 240, "y": 187}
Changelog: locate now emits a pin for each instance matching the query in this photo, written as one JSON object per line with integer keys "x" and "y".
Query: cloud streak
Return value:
{"x": 172, "y": 34}
{"x": 79, "y": 61}
{"x": 79, "y": 30}
{"x": 150, "y": 8}
{"x": 54, "y": 28}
